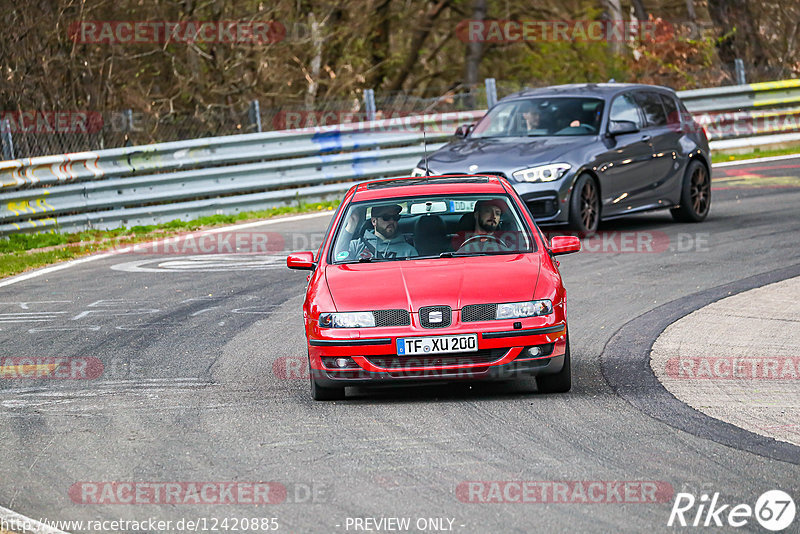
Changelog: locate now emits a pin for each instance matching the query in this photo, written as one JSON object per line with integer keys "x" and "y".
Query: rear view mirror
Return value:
{"x": 622, "y": 127}
{"x": 464, "y": 130}
{"x": 564, "y": 244}
{"x": 303, "y": 261}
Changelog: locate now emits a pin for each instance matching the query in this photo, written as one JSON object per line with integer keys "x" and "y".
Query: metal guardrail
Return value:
{"x": 189, "y": 179}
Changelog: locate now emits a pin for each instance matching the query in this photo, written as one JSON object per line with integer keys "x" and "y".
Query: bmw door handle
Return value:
{"x": 646, "y": 139}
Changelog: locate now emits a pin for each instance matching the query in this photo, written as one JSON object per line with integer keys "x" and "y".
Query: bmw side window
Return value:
{"x": 624, "y": 108}
{"x": 673, "y": 117}
{"x": 653, "y": 109}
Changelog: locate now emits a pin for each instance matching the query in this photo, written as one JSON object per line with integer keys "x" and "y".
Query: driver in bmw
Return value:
{"x": 486, "y": 236}
{"x": 383, "y": 242}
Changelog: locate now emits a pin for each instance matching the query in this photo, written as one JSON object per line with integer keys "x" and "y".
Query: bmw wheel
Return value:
{"x": 695, "y": 195}
{"x": 584, "y": 210}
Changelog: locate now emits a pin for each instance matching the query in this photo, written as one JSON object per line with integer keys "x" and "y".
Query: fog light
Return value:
{"x": 342, "y": 362}
{"x": 534, "y": 351}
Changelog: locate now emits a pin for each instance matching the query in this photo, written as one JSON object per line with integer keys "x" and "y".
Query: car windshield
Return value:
{"x": 441, "y": 226}
{"x": 540, "y": 117}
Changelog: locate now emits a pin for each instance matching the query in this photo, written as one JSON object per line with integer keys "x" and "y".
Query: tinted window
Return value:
{"x": 625, "y": 109}
{"x": 673, "y": 117}
{"x": 653, "y": 109}
{"x": 539, "y": 117}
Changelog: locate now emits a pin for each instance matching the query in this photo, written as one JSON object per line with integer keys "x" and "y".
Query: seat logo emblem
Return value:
{"x": 435, "y": 317}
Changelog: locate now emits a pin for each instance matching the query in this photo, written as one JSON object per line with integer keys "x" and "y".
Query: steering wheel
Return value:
{"x": 483, "y": 236}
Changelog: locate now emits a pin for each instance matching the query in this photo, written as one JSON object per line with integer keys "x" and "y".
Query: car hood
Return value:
{"x": 505, "y": 154}
{"x": 452, "y": 282}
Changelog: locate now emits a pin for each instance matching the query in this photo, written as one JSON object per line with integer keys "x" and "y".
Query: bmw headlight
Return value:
{"x": 347, "y": 320}
{"x": 531, "y": 308}
{"x": 542, "y": 173}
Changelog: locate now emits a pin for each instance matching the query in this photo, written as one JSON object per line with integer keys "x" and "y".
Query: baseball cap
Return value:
{"x": 386, "y": 209}
{"x": 495, "y": 202}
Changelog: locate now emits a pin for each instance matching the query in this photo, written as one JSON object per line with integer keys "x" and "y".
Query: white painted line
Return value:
{"x": 51, "y": 269}
{"x": 25, "y": 525}
{"x": 755, "y": 160}
{"x": 66, "y": 265}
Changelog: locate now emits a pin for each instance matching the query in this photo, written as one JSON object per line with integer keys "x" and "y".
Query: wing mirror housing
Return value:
{"x": 564, "y": 244}
{"x": 303, "y": 261}
{"x": 622, "y": 127}
{"x": 464, "y": 130}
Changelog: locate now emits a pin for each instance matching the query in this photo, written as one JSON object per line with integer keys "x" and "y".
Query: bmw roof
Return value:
{"x": 602, "y": 90}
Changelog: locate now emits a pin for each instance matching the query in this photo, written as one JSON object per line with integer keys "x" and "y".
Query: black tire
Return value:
{"x": 584, "y": 206}
{"x": 695, "y": 194}
{"x": 561, "y": 382}
{"x": 322, "y": 393}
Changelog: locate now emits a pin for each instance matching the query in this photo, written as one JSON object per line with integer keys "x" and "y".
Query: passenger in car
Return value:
{"x": 383, "y": 241}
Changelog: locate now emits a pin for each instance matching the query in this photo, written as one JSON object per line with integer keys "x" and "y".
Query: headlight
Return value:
{"x": 347, "y": 320}
{"x": 542, "y": 173}
{"x": 531, "y": 308}
{"x": 418, "y": 171}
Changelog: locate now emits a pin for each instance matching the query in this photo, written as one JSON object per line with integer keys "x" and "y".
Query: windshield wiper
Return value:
{"x": 460, "y": 254}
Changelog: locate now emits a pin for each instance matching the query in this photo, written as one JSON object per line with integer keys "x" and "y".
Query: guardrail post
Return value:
{"x": 369, "y": 103}
{"x": 491, "y": 92}
{"x": 6, "y": 140}
{"x": 739, "y": 66}
{"x": 254, "y": 113}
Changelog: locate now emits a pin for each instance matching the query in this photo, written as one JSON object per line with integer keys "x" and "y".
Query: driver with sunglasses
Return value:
{"x": 383, "y": 242}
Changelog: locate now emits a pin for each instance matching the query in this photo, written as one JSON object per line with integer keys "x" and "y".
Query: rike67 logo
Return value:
{"x": 774, "y": 510}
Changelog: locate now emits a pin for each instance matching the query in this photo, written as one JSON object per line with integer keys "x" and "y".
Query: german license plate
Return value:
{"x": 437, "y": 344}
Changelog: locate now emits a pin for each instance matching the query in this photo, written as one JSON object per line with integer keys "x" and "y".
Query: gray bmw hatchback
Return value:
{"x": 579, "y": 154}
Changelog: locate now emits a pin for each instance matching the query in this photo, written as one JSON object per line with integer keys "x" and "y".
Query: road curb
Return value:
{"x": 625, "y": 364}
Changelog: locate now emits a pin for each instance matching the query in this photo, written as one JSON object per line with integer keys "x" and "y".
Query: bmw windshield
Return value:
{"x": 431, "y": 227}
{"x": 540, "y": 117}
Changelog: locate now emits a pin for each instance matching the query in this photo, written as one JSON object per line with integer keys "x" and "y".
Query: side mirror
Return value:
{"x": 564, "y": 244}
{"x": 303, "y": 261}
{"x": 622, "y": 127}
{"x": 464, "y": 130}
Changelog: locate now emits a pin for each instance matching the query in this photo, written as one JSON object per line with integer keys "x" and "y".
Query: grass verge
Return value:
{"x": 756, "y": 153}
{"x": 23, "y": 252}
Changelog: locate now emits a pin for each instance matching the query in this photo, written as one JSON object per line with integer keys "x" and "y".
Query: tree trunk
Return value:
{"x": 474, "y": 54}
{"x": 380, "y": 42}
{"x": 614, "y": 14}
{"x": 421, "y": 33}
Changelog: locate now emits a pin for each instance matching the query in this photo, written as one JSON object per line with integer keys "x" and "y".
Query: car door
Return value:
{"x": 623, "y": 167}
{"x": 664, "y": 140}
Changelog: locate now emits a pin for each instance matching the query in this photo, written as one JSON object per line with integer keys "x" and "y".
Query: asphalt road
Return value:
{"x": 198, "y": 384}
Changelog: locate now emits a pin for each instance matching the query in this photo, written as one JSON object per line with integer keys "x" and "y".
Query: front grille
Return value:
{"x": 478, "y": 312}
{"x": 426, "y": 313}
{"x": 392, "y": 318}
{"x": 440, "y": 360}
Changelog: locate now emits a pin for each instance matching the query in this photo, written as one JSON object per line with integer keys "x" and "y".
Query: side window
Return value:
{"x": 652, "y": 107}
{"x": 673, "y": 117}
{"x": 625, "y": 109}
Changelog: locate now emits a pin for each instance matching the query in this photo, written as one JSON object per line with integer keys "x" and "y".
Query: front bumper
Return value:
{"x": 502, "y": 354}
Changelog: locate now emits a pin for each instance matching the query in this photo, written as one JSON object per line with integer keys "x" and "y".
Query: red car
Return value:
{"x": 434, "y": 278}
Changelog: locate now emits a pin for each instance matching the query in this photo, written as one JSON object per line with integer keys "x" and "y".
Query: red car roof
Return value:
{"x": 408, "y": 187}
